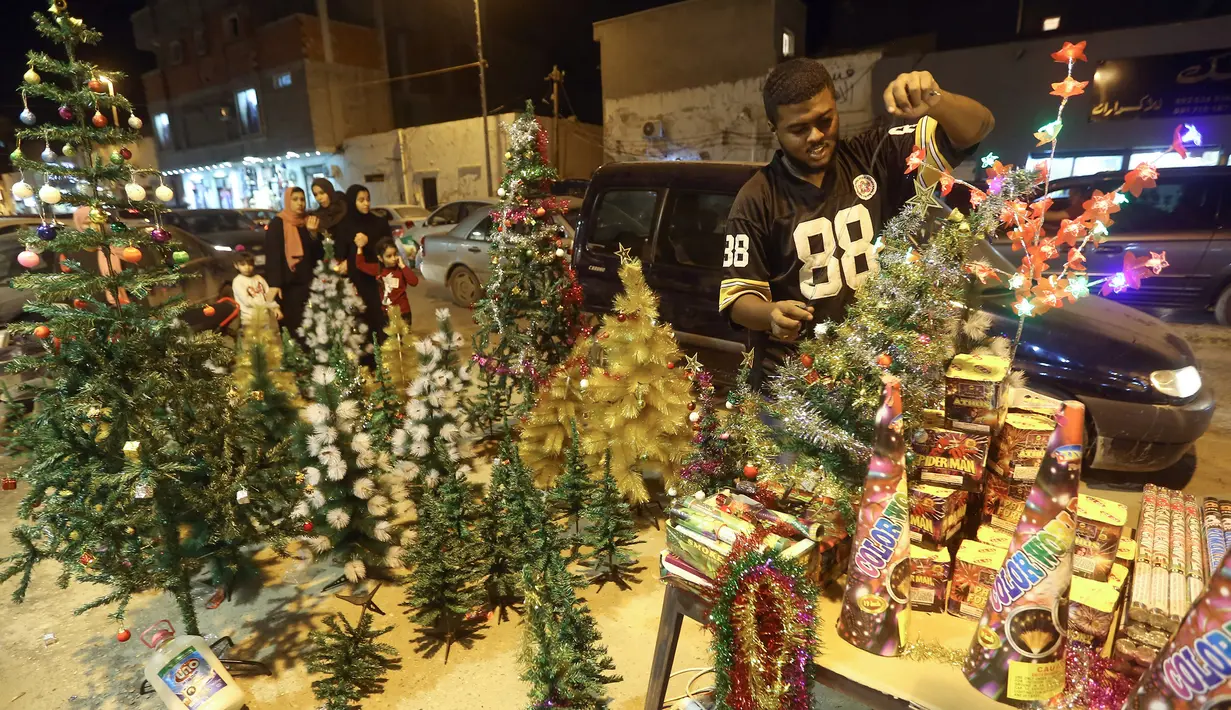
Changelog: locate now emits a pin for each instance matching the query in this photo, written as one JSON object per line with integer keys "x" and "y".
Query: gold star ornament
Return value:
{"x": 749, "y": 355}
{"x": 693, "y": 364}
{"x": 625, "y": 254}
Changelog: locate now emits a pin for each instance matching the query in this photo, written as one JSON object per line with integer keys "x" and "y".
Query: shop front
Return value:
{"x": 253, "y": 182}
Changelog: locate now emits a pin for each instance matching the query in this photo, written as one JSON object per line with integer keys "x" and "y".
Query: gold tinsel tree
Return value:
{"x": 639, "y": 402}
{"x": 261, "y": 340}
{"x": 398, "y": 359}
{"x": 545, "y": 431}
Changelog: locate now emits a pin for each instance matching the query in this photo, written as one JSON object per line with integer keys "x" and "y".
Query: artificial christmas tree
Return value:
{"x": 561, "y": 656}
{"x": 609, "y": 529}
{"x": 296, "y": 362}
{"x": 331, "y": 315}
{"x": 128, "y": 473}
{"x": 640, "y": 395}
{"x": 351, "y": 498}
{"x": 511, "y": 509}
{"x": 531, "y": 314}
{"x": 752, "y": 442}
{"x": 544, "y": 438}
{"x": 353, "y": 659}
{"x": 269, "y": 391}
{"x": 711, "y": 464}
{"x": 384, "y": 408}
{"x": 397, "y": 355}
{"x": 574, "y": 487}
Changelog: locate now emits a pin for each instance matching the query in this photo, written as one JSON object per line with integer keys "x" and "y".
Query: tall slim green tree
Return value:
{"x": 511, "y": 510}
{"x": 574, "y": 486}
{"x": 353, "y": 660}
{"x": 609, "y": 530}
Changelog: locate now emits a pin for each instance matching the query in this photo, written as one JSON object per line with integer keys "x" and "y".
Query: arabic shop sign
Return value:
{"x": 1163, "y": 86}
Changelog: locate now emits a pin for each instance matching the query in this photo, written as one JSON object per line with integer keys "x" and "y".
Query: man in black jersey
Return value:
{"x": 801, "y": 231}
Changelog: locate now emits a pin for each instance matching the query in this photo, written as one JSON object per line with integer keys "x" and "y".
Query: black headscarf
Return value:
{"x": 357, "y": 222}
{"x": 333, "y": 214}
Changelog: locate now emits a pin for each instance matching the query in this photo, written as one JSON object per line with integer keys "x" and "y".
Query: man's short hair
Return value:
{"x": 794, "y": 81}
{"x": 244, "y": 257}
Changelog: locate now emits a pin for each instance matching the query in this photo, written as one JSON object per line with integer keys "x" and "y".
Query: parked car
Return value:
{"x": 571, "y": 187}
{"x": 259, "y": 215}
{"x": 210, "y": 273}
{"x": 1188, "y": 215}
{"x": 441, "y": 220}
{"x": 401, "y": 217}
{"x": 1144, "y": 397}
{"x": 460, "y": 260}
{"x": 224, "y": 230}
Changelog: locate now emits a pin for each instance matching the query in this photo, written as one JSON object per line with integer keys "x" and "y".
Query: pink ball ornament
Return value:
{"x": 160, "y": 235}
{"x": 28, "y": 259}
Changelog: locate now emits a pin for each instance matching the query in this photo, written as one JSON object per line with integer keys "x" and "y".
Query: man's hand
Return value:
{"x": 787, "y": 317}
{"x": 912, "y": 95}
{"x": 313, "y": 223}
{"x": 361, "y": 240}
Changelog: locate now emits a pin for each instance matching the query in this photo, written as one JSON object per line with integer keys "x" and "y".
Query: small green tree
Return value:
{"x": 574, "y": 487}
{"x": 609, "y": 529}
{"x": 384, "y": 408}
{"x": 354, "y": 661}
{"x": 511, "y": 510}
{"x": 296, "y": 362}
{"x": 562, "y": 658}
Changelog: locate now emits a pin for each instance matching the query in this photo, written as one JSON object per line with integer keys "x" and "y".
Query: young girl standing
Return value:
{"x": 391, "y": 273}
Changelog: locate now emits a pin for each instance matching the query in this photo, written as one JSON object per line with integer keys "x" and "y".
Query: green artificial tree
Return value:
{"x": 330, "y": 317}
{"x": 511, "y": 509}
{"x": 752, "y": 440}
{"x": 531, "y": 313}
{"x": 562, "y": 658}
{"x": 130, "y": 481}
{"x": 352, "y": 658}
{"x": 384, "y": 407}
{"x": 609, "y": 529}
{"x": 296, "y": 362}
{"x": 352, "y": 502}
{"x": 711, "y": 464}
{"x": 266, "y": 389}
{"x": 574, "y": 486}
{"x": 445, "y": 559}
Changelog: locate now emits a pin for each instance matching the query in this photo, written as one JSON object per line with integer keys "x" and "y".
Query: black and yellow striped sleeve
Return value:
{"x": 936, "y": 151}
{"x": 733, "y": 288}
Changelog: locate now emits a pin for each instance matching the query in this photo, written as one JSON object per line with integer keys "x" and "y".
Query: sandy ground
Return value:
{"x": 87, "y": 668}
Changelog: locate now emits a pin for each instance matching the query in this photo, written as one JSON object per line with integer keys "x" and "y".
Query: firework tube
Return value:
{"x": 704, "y": 522}
{"x": 1215, "y": 542}
{"x": 1194, "y": 668}
{"x": 876, "y": 605}
{"x": 1139, "y": 602}
{"x": 1196, "y": 549}
{"x": 1178, "y": 600}
{"x": 1017, "y": 654}
{"x": 1224, "y": 508}
{"x": 1160, "y": 562}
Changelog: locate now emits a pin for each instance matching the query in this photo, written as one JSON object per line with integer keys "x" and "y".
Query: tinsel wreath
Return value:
{"x": 763, "y": 617}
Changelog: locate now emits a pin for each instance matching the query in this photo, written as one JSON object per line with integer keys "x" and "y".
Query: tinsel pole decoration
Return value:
{"x": 1194, "y": 669}
{"x": 763, "y": 620}
{"x": 876, "y": 607}
{"x": 1017, "y": 654}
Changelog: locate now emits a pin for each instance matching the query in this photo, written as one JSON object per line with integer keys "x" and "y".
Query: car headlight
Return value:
{"x": 1184, "y": 382}
{"x": 222, "y": 247}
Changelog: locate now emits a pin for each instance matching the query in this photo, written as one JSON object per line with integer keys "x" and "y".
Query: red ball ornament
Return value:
{"x": 884, "y": 360}
{"x": 79, "y": 304}
{"x": 127, "y": 154}
{"x": 95, "y": 85}
{"x": 751, "y": 471}
{"x": 42, "y": 332}
{"x": 925, "y": 338}
{"x": 620, "y": 317}
{"x": 692, "y": 406}
{"x": 308, "y": 526}
{"x": 208, "y": 311}
{"x": 123, "y": 635}
{"x": 671, "y": 366}
{"x": 805, "y": 360}
{"x": 99, "y": 120}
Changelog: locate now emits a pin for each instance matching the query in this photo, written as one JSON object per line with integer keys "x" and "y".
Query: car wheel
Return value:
{"x": 465, "y": 287}
{"x": 1222, "y": 307}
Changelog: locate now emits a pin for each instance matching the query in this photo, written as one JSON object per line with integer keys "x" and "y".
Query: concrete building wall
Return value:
{"x": 1013, "y": 80}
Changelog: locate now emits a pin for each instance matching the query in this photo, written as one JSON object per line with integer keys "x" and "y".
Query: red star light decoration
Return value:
{"x": 977, "y": 197}
{"x": 1099, "y": 206}
{"x": 1076, "y": 260}
{"x": 1139, "y": 178}
{"x": 1177, "y": 141}
{"x": 1070, "y": 52}
{"x": 982, "y": 271}
{"x": 1068, "y": 88}
{"x": 1157, "y": 262}
{"x": 946, "y": 184}
{"x": 1070, "y": 231}
{"x": 1014, "y": 211}
{"x": 914, "y": 160}
{"x": 1039, "y": 207}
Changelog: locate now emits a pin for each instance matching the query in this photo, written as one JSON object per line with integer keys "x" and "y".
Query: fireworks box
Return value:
{"x": 972, "y": 387}
{"x": 1099, "y": 525}
{"x": 1004, "y": 500}
{"x": 1026, "y": 401}
{"x": 828, "y": 560}
{"x": 930, "y": 572}
{"x": 1092, "y": 608}
{"x": 936, "y": 515}
{"x": 974, "y": 573}
{"x": 1017, "y": 450}
{"x": 995, "y": 537}
{"x": 953, "y": 459}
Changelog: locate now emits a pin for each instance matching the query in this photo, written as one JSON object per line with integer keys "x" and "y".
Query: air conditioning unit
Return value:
{"x": 652, "y": 129}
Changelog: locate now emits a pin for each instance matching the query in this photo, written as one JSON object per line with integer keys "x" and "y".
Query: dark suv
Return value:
{"x": 1188, "y": 215}
{"x": 1137, "y": 378}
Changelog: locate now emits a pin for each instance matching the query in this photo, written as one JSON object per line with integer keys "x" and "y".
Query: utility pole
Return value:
{"x": 487, "y": 148}
{"x": 556, "y": 77}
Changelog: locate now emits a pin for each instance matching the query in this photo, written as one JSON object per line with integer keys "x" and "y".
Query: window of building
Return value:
{"x": 694, "y": 231}
{"x": 1051, "y": 24}
{"x": 1063, "y": 166}
{"x": 1196, "y": 157}
{"x": 788, "y": 43}
{"x": 248, "y": 111}
{"x": 198, "y": 42}
{"x": 230, "y": 26}
{"x": 282, "y": 81}
{"x": 162, "y": 129}
{"x": 623, "y": 218}
{"x": 176, "y": 52}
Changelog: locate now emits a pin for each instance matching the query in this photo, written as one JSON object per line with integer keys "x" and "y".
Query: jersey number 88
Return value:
{"x": 824, "y": 263}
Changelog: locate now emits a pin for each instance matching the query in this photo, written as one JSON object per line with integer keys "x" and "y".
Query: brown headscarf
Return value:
{"x": 330, "y": 216}
{"x": 291, "y": 222}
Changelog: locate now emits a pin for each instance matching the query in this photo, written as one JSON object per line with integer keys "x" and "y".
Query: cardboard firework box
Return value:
{"x": 994, "y": 536}
{"x": 1018, "y": 449}
{"x": 974, "y": 573}
{"x": 953, "y": 459}
{"x": 1004, "y": 501}
{"x": 1100, "y": 523}
{"x": 972, "y": 392}
{"x": 1092, "y": 609}
{"x": 1023, "y": 400}
{"x": 936, "y": 515}
{"x": 930, "y": 572}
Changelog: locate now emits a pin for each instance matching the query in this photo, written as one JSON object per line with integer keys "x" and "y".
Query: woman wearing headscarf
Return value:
{"x": 292, "y": 251}
{"x": 360, "y": 220}
{"x": 332, "y": 209}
